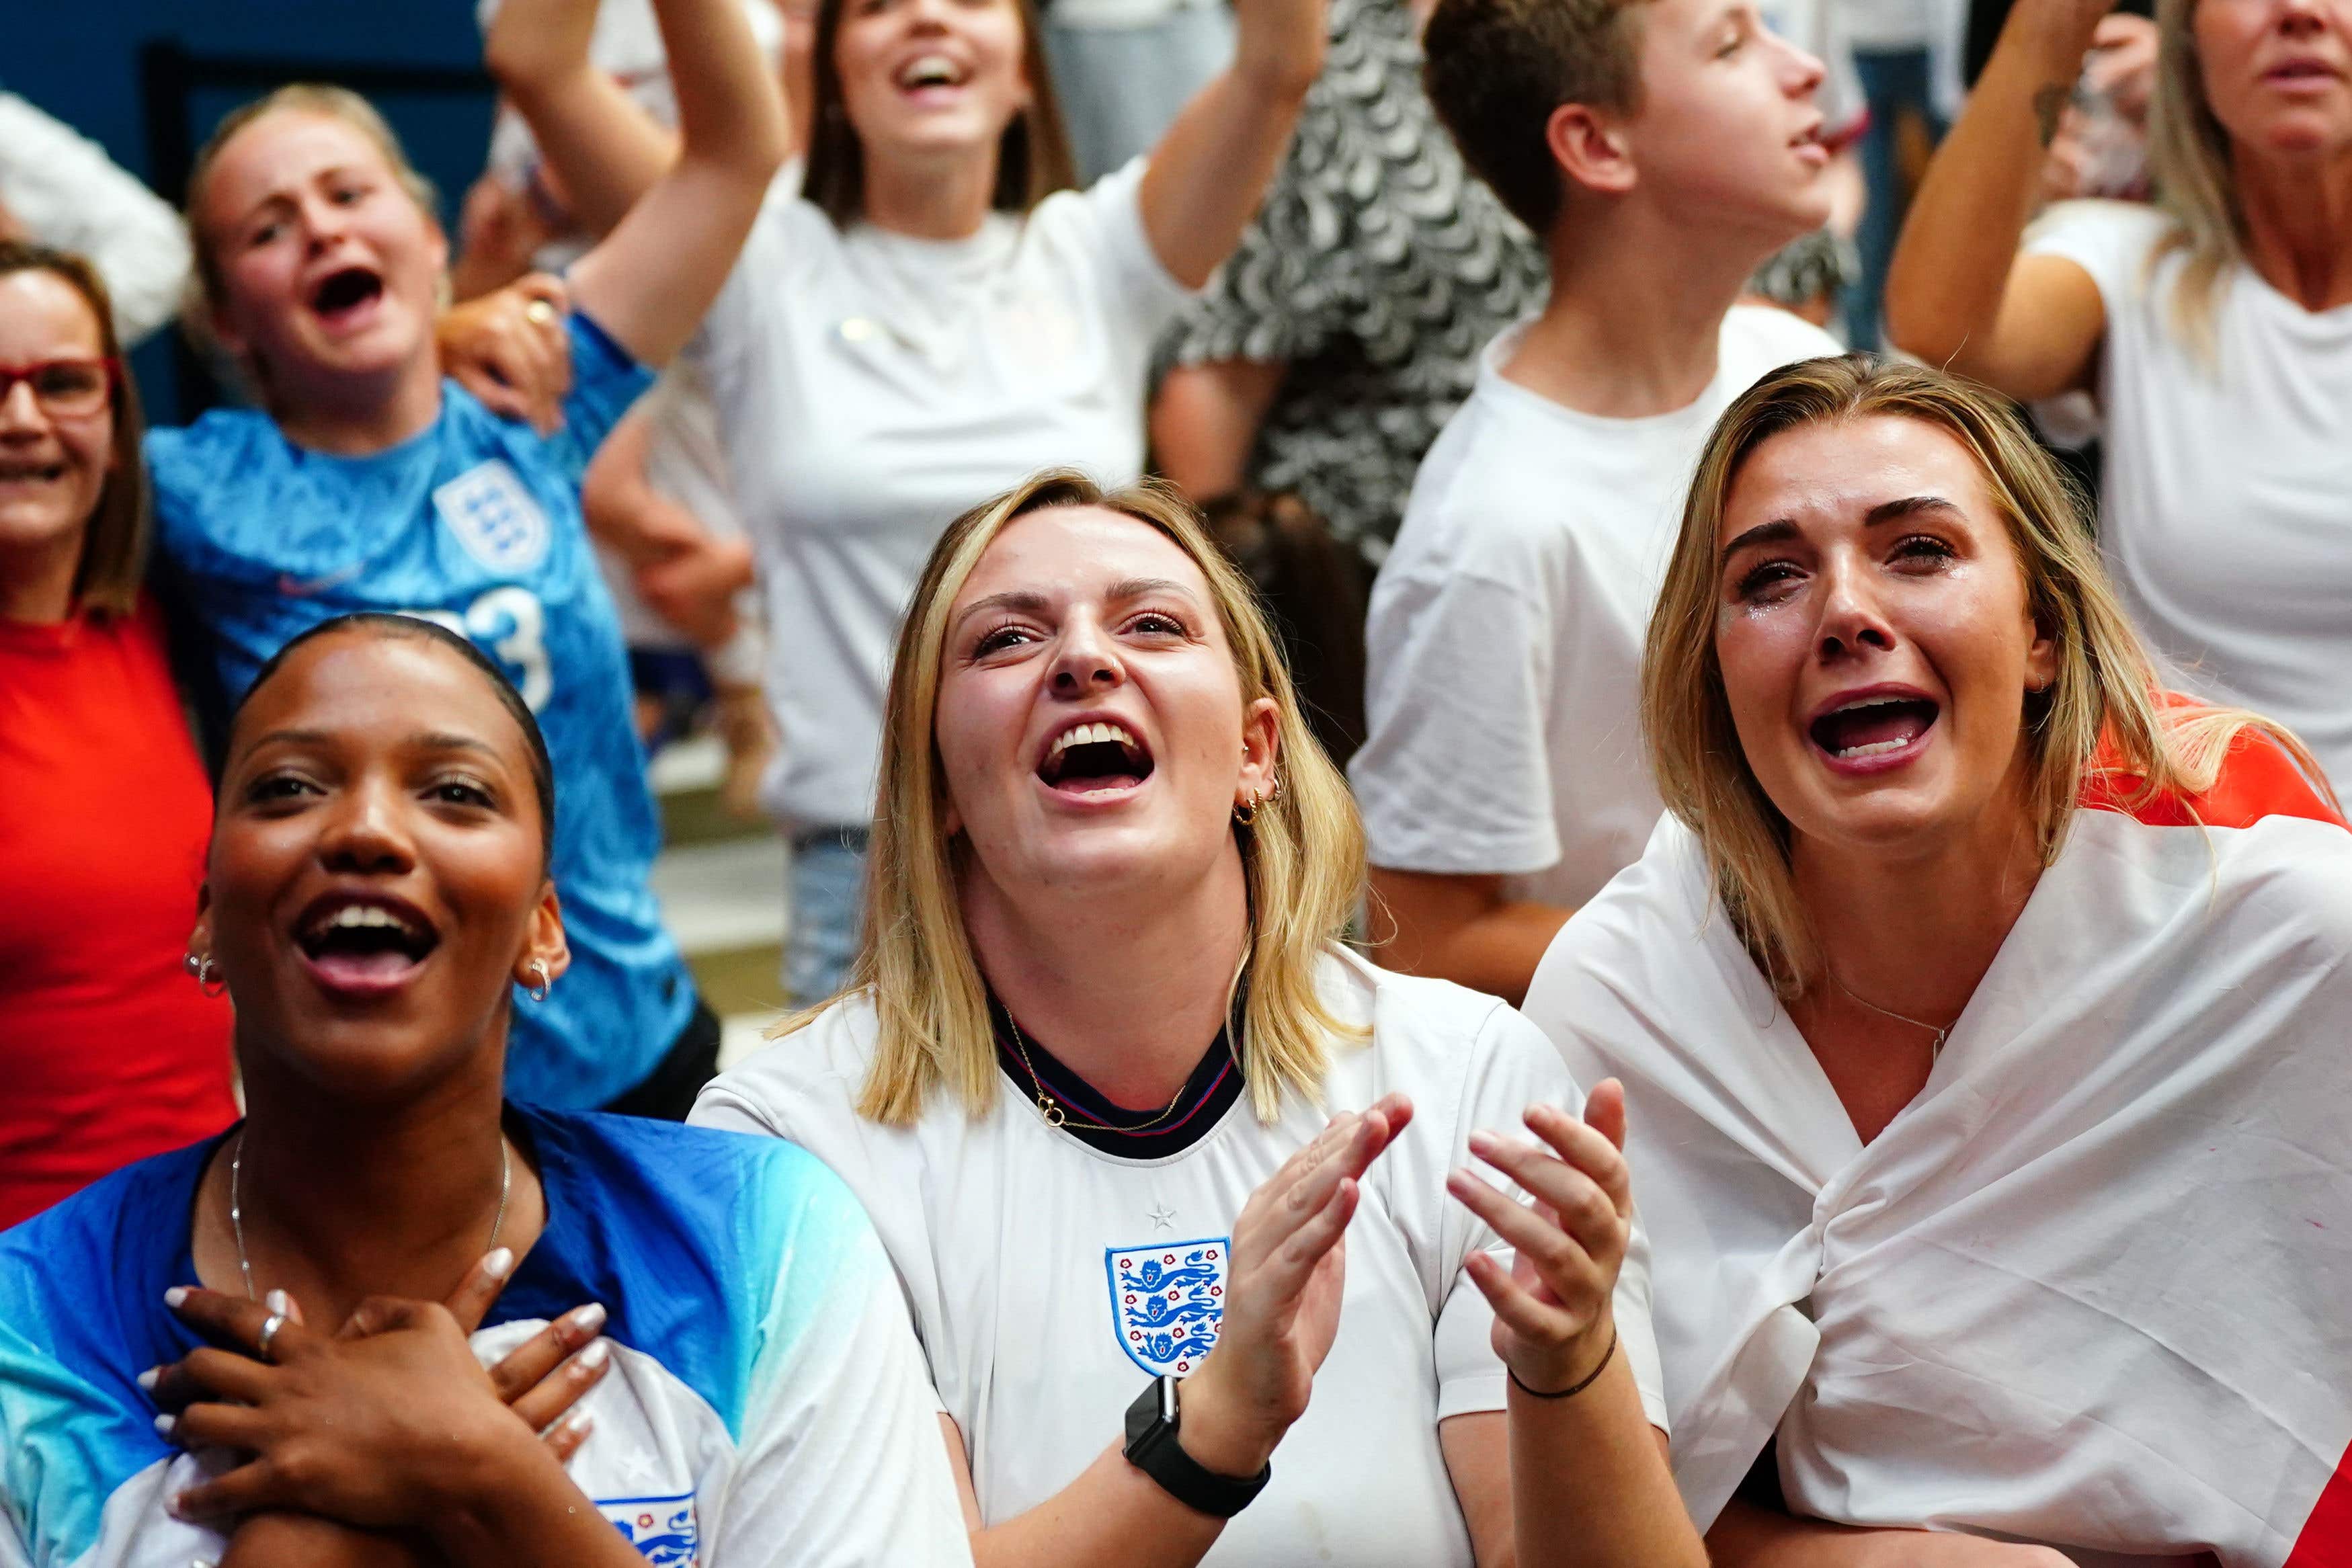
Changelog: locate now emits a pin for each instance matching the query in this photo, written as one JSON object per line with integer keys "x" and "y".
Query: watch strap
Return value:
{"x": 1152, "y": 1447}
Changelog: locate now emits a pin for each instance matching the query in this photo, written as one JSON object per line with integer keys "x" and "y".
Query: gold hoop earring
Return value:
{"x": 538, "y": 991}
{"x": 1247, "y": 814}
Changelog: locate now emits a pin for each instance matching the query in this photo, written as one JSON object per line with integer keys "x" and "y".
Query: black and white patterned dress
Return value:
{"x": 1377, "y": 269}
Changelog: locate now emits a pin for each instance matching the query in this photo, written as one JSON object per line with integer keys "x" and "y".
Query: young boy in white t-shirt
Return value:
{"x": 1662, "y": 148}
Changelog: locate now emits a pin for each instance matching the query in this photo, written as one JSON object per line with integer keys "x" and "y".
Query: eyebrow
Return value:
{"x": 1145, "y": 587}
{"x": 1783, "y": 528}
{"x": 1028, "y": 601}
{"x": 424, "y": 740}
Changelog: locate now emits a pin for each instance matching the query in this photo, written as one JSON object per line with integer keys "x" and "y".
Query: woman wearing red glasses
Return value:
{"x": 110, "y": 1054}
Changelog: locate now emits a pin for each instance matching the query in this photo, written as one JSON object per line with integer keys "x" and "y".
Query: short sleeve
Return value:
{"x": 1280, "y": 296}
{"x": 1455, "y": 775}
{"x": 2112, "y": 241}
{"x": 1138, "y": 289}
{"x": 1511, "y": 1067}
{"x": 841, "y": 1464}
{"x": 605, "y": 381}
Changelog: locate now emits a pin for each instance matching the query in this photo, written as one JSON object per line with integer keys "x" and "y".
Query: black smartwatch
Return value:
{"x": 1152, "y": 1447}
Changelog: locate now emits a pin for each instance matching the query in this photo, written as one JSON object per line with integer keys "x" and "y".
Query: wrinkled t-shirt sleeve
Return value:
{"x": 1140, "y": 293}
{"x": 605, "y": 380}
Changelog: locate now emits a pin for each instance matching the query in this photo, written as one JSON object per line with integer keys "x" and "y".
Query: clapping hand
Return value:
{"x": 1553, "y": 1326}
{"x": 1282, "y": 1294}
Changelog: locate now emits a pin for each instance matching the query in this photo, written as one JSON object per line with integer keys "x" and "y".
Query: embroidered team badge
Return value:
{"x": 662, "y": 1528}
{"x": 495, "y": 516}
{"x": 1167, "y": 1301}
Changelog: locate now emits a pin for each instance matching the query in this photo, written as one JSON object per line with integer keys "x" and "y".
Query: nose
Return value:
{"x": 20, "y": 411}
{"x": 1852, "y": 620}
{"x": 1087, "y": 661}
{"x": 1802, "y": 72}
{"x": 365, "y": 835}
{"x": 323, "y": 223}
{"x": 2301, "y": 18}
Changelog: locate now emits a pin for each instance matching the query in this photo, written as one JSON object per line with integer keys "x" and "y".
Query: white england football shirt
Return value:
{"x": 1049, "y": 1280}
{"x": 765, "y": 1406}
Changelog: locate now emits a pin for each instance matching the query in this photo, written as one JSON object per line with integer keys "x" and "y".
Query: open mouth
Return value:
{"x": 12, "y": 473}
{"x": 363, "y": 944}
{"x": 1871, "y": 726}
{"x": 1095, "y": 759}
{"x": 930, "y": 70}
{"x": 345, "y": 291}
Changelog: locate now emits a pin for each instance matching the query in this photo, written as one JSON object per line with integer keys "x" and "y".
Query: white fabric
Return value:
{"x": 1001, "y": 1230}
{"x": 837, "y": 1465}
{"x": 871, "y": 387}
{"x": 65, "y": 192}
{"x": 2090, "y": 1287}
{"x": 2228, "y": 492}
{"x": 1505, "y": 636}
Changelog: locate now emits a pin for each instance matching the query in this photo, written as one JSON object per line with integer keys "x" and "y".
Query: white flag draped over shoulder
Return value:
{"x": 2094, "y": 1287}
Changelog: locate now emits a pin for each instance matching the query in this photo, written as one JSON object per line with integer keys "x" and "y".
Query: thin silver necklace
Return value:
{"x": 1935, "y": 1048}
{"x": 236, "y": 1206}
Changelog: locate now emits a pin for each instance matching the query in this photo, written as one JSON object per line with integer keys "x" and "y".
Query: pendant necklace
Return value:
{"x": 236, "y": 1206}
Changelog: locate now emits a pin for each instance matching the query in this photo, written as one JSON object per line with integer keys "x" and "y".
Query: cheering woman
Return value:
{"x": 1983, "y": 1011}
{"x": 110, "y": 1053}
{"x": 366, "y": 481}
{"x": 377, "y": 890}
{"x": 1140, "y": 1136}
{"x": 932, "y": 319}
{"x": 2213, "y": 327}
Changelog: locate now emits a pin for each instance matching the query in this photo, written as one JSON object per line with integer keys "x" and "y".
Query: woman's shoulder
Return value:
{"x": 814, "y": 1072}
{"x": 214, "y": 451}
{"x": 2112, "y": 241}
{"x": 1428, "y": 1035}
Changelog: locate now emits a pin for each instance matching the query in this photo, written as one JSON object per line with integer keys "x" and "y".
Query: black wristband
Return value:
{"x": 1152, "y": 1447}
{"x": 1590, "y": 1378}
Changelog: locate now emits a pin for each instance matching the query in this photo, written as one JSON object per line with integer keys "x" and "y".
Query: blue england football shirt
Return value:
{"x": 767, "y": 1404}
{"x": 475, "y": 523}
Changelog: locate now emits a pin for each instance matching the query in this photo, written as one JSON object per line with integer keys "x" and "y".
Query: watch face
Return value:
{"x": 1144, "y": 1414}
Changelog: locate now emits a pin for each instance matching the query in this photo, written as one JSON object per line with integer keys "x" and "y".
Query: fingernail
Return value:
{"x": 149, "y": 1378}
{"x": 174, "y": 1296}
{"x": 595, "y": 1355}
{"x": 1484, "y": 1142}
{"x": 164, "y": 1424}
{"x": 278, "y": 1302}
{"x": 499, "y": 1263}
{"x": 580, "y": 1424}
{"x": 588, "y": 1319}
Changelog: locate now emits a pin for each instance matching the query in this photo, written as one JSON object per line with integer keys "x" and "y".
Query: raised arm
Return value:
{"x": 1211, "y": 168}
{"x": 604, "y": 150}
{"x": 649, "y": 281}
{"x": 1958, "y": 293}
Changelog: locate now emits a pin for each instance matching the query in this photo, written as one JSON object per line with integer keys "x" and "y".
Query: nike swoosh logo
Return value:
{"x": 292, "y": 587}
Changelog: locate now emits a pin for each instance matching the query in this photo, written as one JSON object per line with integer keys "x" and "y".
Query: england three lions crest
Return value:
{"x": 662, "y": 1528}
{"x": 1166, "y": 1301}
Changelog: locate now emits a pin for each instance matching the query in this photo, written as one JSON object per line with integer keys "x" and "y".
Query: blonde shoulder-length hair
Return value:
{"x": 1303, "y": 853}
{"x": 2106, "y": 688}
{"x": 2188, "y": 160}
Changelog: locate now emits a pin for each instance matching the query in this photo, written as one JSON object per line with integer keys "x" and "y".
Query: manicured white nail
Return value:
{"x": 165, "y": 1424}
{"x": 596, "y": 1355}
{"x": 281, "y": 1302}
{"x": 590, "y": 1317}
{"x": 499, "y": 1263}
{"x": 175, "y": 1295}
{"x": 581, "y": 1424}
{"x": 149, "y": 1378}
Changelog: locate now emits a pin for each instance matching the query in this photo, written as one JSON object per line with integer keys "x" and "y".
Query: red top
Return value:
{"x": 2258, "y": 779}
{"x": 109, "y": 1051}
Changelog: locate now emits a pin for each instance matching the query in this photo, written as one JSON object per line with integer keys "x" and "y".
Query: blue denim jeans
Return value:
{"x": 824, "y": 890}
{"x": 1893, "y": 83}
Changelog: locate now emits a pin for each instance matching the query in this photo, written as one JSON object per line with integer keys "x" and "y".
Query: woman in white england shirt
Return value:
{"x": 2214, "y": 328}
{"x": 1116, "y": 1127}
{"x": 931, "y": 317}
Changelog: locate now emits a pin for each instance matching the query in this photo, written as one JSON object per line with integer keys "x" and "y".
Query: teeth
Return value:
{"x": 365, "y": 915}
{"x": 1090, "y": 734}
{"x": 1870, "y": 703}
{"x": 1875, "y": 748}
{"x": 929, "y": 70}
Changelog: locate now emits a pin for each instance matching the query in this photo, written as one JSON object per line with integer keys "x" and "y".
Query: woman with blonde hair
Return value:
{"x": 1981, "y": 1007}
{"x": 364, "y": 481}
{"x": 2213, "y": 328}
{"x": 1131, "y": 1121}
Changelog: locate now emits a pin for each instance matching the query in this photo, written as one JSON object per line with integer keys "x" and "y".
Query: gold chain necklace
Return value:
{"x": 1050, "y": 1110}
{"x": 1935, "y": 1047}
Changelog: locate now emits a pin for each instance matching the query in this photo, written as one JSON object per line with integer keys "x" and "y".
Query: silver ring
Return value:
{"x": 269, "y": 1327}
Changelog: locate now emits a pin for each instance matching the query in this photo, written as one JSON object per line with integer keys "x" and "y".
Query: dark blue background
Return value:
{"x": 79, "y": 59}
